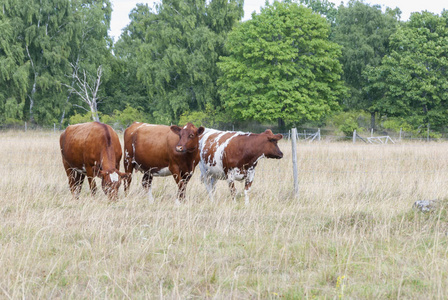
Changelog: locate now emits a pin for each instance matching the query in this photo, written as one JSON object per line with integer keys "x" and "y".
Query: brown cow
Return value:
{"x": 92, "y": 149}
{"x": 234, "y": 156}
{"x": 158, "y": 150}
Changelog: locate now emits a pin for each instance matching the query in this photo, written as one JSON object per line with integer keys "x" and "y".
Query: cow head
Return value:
{"x": 111, "y": 181}
{"x": 270, "y": 148}
{"x": 188, "y": 137}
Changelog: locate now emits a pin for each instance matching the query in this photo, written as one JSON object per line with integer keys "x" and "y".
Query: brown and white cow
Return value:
{"x": 228, "y": 155}
{"x": 158, "y": 150}
{"x": 92, "y": 149}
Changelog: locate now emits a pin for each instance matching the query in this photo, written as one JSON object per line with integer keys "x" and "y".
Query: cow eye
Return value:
{"x": 191, "y": 136}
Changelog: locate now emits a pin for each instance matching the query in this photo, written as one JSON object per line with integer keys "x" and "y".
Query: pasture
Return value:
{"x": 352, "y": 234}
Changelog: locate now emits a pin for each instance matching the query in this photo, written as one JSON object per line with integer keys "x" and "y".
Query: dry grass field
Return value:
{"x": 352, "y": 234}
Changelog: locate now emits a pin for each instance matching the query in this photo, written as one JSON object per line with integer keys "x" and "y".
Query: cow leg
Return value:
{"x": 181, "y": 180}
{"x": 247, "y": 187}
{"x": 128, "y": 168}
{"x": 232, "y": 189}
{"x": 92, "y": 185}
{"x": 91, "y": 179}
{"x": 146, "y": 182}
{"x": 210, "y": 184}
{"x": 75, "y": 180}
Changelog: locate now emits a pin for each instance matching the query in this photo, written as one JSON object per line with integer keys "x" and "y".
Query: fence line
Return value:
{"x": 303, "y": 134}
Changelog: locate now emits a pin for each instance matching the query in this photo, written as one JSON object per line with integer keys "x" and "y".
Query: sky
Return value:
{"x": 122, "y": 8}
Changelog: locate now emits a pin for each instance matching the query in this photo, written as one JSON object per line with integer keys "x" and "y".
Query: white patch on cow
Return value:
{"x": 133, "y": 151}
{"x": 113, "y": 177}
{"x": 163, "y": 172}
{"x": 235, "y": 174}
{"x": 214, "y": 167}
{"x": 262, "y": 156}
{"x": 251, "y": 171}
{"x": 185, "y": 127}
{"x": 250, "y": 174}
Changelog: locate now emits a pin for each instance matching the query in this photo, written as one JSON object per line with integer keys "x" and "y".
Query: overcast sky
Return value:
{"x": 122, "y": 8}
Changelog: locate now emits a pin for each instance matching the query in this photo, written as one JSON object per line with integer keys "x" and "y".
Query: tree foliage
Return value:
{"x": 323, "y": 7}
{"x": 123, "y": 88}
{"x": 364, "y": 32}
{"x": 42, "y": 38}
{"x": 177, "y": 57}
{"x": 412, "y": 79}
{"x": 195, "y": 60}
{"x": 281, "y": 66}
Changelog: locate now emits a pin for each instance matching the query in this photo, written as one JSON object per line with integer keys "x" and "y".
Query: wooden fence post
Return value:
{"x": 354, "y": 136}
{"x": 294, "y": 162}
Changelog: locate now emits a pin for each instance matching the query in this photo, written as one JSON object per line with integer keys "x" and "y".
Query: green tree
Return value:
{"x": 323, "y": 7}
{"x": 42, "y": 39}
{"x": 412, "y": 79}
{"x": 364, "y": 32}
{"x": 13, "y": 72}
{"x": 123, "y": 88}
{"x": 90, "y": 47}
{"x": 281, "y": 67}
{"x": 178, "y": 55}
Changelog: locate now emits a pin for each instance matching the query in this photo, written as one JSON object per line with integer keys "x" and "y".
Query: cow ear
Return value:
{"x": 200, "y": 130}
{"x": 276, "y": 137}
{"x": 268, "y": 132}
{"x": 175, "y": 129}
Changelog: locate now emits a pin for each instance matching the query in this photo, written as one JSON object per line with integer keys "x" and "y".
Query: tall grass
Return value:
{"x": 351, "y": 234}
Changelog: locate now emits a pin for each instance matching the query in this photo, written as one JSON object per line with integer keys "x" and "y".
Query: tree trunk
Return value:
{"x": 94, "y": 111}
{"x": 31, "y": 97}
{"x": 372, "y": 120}
{"x": 281, "y": 124}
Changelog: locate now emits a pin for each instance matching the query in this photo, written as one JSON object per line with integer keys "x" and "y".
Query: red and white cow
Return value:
{"x": 158, "y": 150}
{"x": 92, "y": 149}
{"x": 231, "y": 156}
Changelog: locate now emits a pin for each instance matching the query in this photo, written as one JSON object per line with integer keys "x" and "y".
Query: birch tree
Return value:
{"x": 86, "y": 88}
{"x": 39, "y": 41}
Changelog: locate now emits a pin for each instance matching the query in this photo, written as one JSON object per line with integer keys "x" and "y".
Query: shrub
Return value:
{"x": 128, "y": 116}
{"x": 347, "y": 122}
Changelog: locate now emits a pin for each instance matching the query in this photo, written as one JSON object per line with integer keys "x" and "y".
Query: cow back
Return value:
{"x": 150, "y": 146}
{"x": 221, "y": 151}
{"x": 91, "y": 144}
